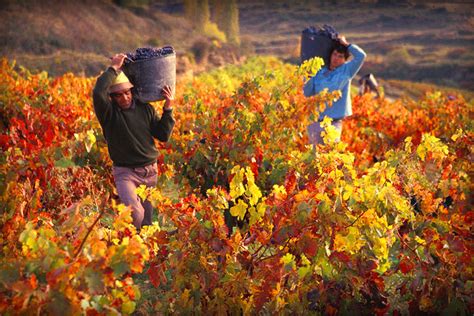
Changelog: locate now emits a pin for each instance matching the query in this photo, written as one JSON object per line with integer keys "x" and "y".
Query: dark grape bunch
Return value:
{"x": 326, "y": 30}
{"x": 148, "y": 52}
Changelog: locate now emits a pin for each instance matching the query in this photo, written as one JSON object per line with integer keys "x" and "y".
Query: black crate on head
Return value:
{"x": 150, "y": 72}
{"x": 316, "y": 43}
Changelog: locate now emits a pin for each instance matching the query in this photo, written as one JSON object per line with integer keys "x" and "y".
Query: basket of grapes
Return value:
{"x": 150, "y": 69}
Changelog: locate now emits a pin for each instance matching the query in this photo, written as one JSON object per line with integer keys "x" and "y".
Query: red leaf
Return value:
{"x": 156, "y": 274}
{"x": 406, "y": 266}
{"x": 4, "y": 140}
{"x": 310, "y": 247}
{"x": 341, "y": 256}
{"x": 456, "y": 244}
{"x": 290, "y": 181}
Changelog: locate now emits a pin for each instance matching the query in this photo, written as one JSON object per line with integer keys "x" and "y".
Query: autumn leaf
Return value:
{"x": 239, "y": 210}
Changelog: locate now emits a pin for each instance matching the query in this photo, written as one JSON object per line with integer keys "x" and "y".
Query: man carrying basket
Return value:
{"x": 130, "y": 127}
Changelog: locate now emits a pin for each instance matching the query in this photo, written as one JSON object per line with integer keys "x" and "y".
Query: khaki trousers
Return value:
{"x": 127, "y": 180}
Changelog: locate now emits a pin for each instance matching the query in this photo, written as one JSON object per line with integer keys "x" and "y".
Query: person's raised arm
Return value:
{"x": 162, "y": 128}
{"x": 100, "y": 93}
{"x": 358, "y": 54}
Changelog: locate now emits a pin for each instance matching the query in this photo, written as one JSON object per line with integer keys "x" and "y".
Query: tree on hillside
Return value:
{"x": 230, "y": 21}
{"x": 217, "y": 12}
{"x": 190, "y": 9}
{"x": 198, "y": 12}
{"x": 203, "y": 14}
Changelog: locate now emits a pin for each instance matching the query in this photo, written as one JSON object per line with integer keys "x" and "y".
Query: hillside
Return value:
{"x": 79, "y": 36}
{"x": 426, "y": 42}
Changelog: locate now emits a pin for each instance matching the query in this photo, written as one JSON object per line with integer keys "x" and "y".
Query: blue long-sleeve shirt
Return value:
{"x": 338, "y": 79}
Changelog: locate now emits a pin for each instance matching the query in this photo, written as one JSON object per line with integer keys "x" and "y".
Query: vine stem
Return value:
{"x": 354, "y": 221}
{"x": 92, "y": 226}
{"x": 408, "y": 246}
{"x": 88, "y": 233}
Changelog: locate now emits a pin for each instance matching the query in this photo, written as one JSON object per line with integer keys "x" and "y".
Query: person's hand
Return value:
{"x": 342, "y": 40}
{"x": 117, "y": 61}
{"x": 167, "y": 93}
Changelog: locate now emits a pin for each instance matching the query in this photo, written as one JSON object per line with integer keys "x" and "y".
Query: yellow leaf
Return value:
{"x": 408, "y": 144}
{"x": 285, "y": 104}
{"x": 253, "y": 193}
{"x": 257, "y": 213}
{"x": 288, "y": 261}
{"x": 420, "y": 240}
{"x": 421, "y": 152}
{"x": 141, "y": 191}
{"x": 348, "y": 192}
{"x": 185, "y": 295}
{"x": 458, "y": 134}
{"x": 239, "y": 210}
{"x": 303, "y": 271}
{"x": 90, "y": 140}
{"x": 352, "y": 242}
{"x": 288, "y": 258}
{"x": 380, "y": 248}
{"x": 253, "y": 215}
{"x": 279, "y": 191}
{"x": 236, "y": 185}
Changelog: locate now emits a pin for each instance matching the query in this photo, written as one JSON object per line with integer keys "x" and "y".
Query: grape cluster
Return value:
{"x": 148, "y": 52}
{"x": 326, "y": 30}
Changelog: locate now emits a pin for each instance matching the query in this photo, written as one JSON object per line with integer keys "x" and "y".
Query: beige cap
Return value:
{"x": 120, "y": 83}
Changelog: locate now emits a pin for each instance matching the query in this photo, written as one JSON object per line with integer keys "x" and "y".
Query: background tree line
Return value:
{"x": 216, "y": 18}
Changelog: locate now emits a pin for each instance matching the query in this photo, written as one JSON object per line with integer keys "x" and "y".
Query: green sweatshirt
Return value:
{"x": 129, "y": 133}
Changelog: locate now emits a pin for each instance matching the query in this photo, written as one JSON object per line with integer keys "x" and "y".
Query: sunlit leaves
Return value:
{"x": 154, "y": 195}
{"x": 236, "y": 185}
{"x": 310, "y": 67}
{"x": 243, "y": 185}
{"x": 288, "y": 261}
{"x": 378, "y": 214}
{"x": 88, "y": 138}
{"x": 351, "y": 242}
{"x": 279, "y": 191}
{"x": 432, "y": 145}
{"x": 239, "y": 210}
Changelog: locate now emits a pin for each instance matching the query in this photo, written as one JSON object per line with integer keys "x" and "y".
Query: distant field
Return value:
{"x": 429, "y": 42}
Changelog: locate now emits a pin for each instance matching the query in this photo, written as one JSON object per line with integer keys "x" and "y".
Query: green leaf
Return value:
{"x": 120, "y": 268}
{"x": 9, "y": 273}
{"x": 128, "y": 307}
{"x": 456, "y": 307}
{"x": 94, "y": 281}
{"x": 64, "y": 163}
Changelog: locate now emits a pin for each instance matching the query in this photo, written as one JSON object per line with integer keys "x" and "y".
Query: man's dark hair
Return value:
{"x": 341, "y": 49}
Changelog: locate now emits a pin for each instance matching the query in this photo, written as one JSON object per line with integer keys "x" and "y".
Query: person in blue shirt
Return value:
{"x": 336, "y": 76}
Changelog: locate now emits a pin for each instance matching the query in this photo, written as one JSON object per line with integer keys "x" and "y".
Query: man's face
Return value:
{"x": 123, "y": 98}
{"x": 337, "y": 59}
